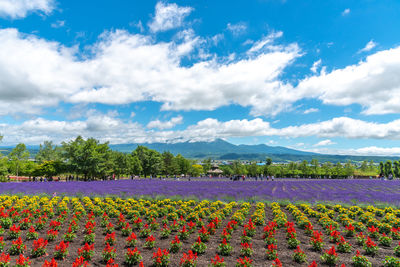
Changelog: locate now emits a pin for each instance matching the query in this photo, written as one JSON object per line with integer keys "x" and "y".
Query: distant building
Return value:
{"x": 215, "y": 171}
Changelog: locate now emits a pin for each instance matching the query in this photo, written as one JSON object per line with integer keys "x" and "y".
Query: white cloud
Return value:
{"x": 368, "y": 47}
{"x": 58, "y": 24}
{"x": 316, "y": 65}
{"x": 237, "y": 29}
{"x": 20, "y": 8}
{"x": 326, "y": 142}
{"x": 125, "y": 68}
{"x": 168, "y": 16}
{"x": 310, "y": 110}
{"x": 108, "y": 127}
{"x": 373, "y": 83}
{"x": 162, "y": 125}
{"x": 35, "y": 73}
{"x": 266, "y": 42}
{"x": 363, "y": 151}
{"x": 346, "y": 12}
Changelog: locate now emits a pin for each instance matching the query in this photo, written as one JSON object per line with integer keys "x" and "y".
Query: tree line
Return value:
{"x": 90, "y": 159}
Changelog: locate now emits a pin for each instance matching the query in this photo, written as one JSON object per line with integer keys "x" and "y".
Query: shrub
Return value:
{"x": 330, "y": 256}
{"x": 299, "y": 256}
{"x": 391, "y": 262}
{"x": 132, "y": 257}
{"x": 39, "y": 247}
{"x": 108, "y": 253}
{"x": 189, "y": 259}
{"x": 246, "y": 249}
{"x": 161, "y": 258}
{"x": 370, "y": 247}
{"x": 199, "y": 247}
{"x": 385, "y": 240}
{"x": 244, "y": 262}
{"x": 175, "y": 245}
{"x": 224, "y": 248}
{"x": 361, "y": 261}
{"x": 217, "y": 261}
{"x": 61, "y": 250}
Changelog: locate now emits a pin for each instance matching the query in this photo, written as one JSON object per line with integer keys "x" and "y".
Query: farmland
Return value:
{"x": 335, "y": 191}
{"x": 131, "y": 231}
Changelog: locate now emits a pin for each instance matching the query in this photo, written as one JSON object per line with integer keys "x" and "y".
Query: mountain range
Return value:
{"x": 222, "y": 150}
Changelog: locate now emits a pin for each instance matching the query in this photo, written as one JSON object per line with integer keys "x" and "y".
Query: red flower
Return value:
{"x": 80, "y": 262}
{"x": 176, "y": 240}
{"x": 150, "y": 238}
{"x": 62, "y": 246}
{"x": 22, "y": 260}
{"x": 15, "y": 229}
{"x": 370, "y": 243}
{"x": 39, "y": 244}
{"x": 217, "y": 259}
{"x": 4, "y": 258}
{"x": 131, "y": 252}
{"x": 190, "y": 257}
{"x": 332, "y": 251}
{"x": 51, "y": 263}
{"x": 277, "y": 263}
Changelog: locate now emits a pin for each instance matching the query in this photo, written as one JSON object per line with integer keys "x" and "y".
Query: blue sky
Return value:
{"x": 320, "y": 76}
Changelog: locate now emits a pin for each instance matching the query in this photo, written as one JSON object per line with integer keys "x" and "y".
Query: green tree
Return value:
{"x": 49, "y": 168}
{"x": 183, "y": 164}
{"x": 206, "y": 165}
{"x": 150, "y": 160}
{"x": 88, "y": 157}
{"x": 134, "y": 165}
{"x": 47, "y": 152}
{"x": 364, "y": 166}
{"x": 305, "y": 170}
{"x": 120, "y": 163}
{"x": 315, "y": 170}
{"x": 388, "y": 168}
{"x": 381, "y": 169}
{"x": 238, "y": 168}
{"x": 227, "y": 170}
{"x": 338, "y": 170}
{"x": 170, "y": 165}
{"x": 268, "y": 161}
{"x": 196, "y": 170}
{"x": 348, "y": 169}
{"x": 19, "y": 155}
{"x": 252, "y": 169}
{"x": 396, "y": 170}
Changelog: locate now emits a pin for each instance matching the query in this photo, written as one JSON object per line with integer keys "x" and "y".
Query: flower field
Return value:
{"x": 336, "y": 191}
{"x": 72, "y": 231}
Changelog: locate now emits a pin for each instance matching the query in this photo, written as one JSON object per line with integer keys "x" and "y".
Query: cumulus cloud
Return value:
{"x": 168, "y": 16}
{"x": 125, "y": 68}
{"x": 15, "y": 9}
{"x": 326, "y": 142}
{"x": 237, "y": 29}
{"x": 162, "y": 125}
{"x": 373, "y": 83}
{"x": 108, "y": 127}
{"x": 363, "y": 151}
{"x": 368, "y": 47}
